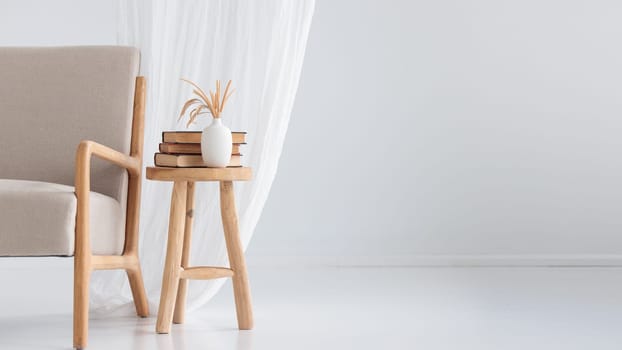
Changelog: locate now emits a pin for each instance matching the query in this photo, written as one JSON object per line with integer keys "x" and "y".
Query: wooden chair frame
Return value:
{"x": 84, "y": 261}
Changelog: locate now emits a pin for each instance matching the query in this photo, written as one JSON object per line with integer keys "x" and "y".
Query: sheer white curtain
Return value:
{"x": 260, "y": 45}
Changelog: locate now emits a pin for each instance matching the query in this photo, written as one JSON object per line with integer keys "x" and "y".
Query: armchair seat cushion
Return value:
{"x": 39, "y": 219}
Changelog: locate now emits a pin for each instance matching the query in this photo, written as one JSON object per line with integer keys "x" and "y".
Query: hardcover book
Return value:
{"x": 195, "y": 136}
{"x": 189, "y": 160}
{"x": 189, "y": 148}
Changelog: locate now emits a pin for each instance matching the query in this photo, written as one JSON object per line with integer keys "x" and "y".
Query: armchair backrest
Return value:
{"x": 51, "y": 98}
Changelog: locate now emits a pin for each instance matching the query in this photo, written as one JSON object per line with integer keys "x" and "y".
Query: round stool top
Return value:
{"x": 199, "y": 174}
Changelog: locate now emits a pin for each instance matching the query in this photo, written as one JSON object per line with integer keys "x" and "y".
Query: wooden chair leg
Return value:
{"x": 137, "y": 286}
{"x": 81, "y": 279}
{"x": 180, "y": 303}
{"x": 241, "y": 289}
{"x": 172, "y": 265}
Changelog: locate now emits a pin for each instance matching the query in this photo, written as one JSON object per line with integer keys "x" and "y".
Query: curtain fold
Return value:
{"x": 258, "y": 45}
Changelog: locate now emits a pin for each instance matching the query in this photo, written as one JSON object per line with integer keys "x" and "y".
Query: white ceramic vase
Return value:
{"x": 216, "y": 144}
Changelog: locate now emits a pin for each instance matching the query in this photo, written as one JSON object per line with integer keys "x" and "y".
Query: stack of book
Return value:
{"x": 182, "y": 149}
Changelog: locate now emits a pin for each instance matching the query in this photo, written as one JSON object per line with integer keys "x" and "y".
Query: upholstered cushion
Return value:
{"x": 39, "y": 219}
{"x": 51, "y": 98}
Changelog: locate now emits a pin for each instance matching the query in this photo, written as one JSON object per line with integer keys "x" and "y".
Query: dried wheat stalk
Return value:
{"x": 213, "y": 104}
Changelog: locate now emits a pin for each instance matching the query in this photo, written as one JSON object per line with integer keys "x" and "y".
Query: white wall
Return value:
{"x": 431, "y": 127}
{"x": 454, "y": 127}
{"x": 58, "y": 22}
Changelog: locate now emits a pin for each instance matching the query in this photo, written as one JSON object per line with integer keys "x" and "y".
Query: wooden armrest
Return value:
{"x": 86, "y": 149}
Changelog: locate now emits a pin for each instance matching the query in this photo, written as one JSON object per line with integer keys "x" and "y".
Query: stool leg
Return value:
{"x": 172, "y": 265}
{"x": 180, "y": 303}
{"x": 241, "y": 288}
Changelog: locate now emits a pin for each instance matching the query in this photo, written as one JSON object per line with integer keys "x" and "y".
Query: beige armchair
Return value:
{"x": 52, "y": 102}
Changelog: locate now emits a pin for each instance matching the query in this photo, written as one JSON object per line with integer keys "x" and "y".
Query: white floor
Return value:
{"x": 354, "y": 308}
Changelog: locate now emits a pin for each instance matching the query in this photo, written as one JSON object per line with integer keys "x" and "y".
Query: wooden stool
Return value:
{"x": 176, "y": 269}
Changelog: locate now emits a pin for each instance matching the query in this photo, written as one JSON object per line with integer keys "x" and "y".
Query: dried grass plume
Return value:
{"x": 202, "y": 103}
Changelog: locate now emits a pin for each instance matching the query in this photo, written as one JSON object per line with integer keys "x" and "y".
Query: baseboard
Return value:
{"x": 444, "y": 260}
{"x": 36, "y": 263}
{"x": 418, "y": 260}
